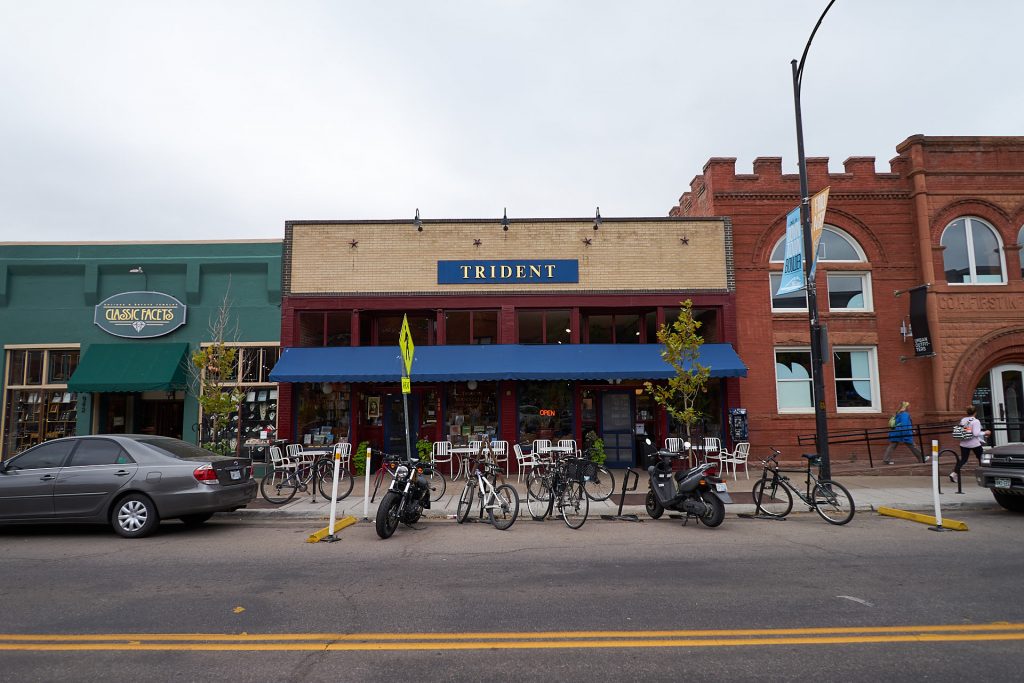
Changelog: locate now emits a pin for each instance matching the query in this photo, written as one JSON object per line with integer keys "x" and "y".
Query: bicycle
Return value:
{"x": 326, "y": 478}
{"x": 280, "y": 484}
{"x": 501, "y": 502}
{"x": 561, "y": 486}
{"x": 601, "y": 484}
{"x": 388, "y": 466}
{"x": 773, "y": 492}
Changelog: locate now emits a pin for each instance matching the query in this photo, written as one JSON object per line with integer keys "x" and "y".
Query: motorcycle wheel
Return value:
{"x": 654, "y": 509}
{"x": 715, "y": 514}
{"x": 387, "y": 514}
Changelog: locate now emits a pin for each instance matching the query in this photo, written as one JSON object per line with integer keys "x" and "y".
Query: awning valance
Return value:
{"x": 130, "y": 367}
{"x": 494, "y": 362}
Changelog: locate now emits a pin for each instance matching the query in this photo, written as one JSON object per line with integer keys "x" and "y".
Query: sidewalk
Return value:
{"x": 912, "y": 492}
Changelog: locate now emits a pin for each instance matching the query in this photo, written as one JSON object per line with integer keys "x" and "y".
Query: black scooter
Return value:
{"x": 697, "y": 492}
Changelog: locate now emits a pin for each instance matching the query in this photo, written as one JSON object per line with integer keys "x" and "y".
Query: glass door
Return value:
{"x": 617, "y": 428}
{"x": 394, "y": 423}
{"x": 1008, "y": 404}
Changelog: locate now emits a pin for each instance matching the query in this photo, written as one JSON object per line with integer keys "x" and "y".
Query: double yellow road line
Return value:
{"x": 539, "y": 640}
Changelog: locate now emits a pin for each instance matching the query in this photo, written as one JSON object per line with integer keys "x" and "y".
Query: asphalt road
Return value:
{"x": 245, "y": 600}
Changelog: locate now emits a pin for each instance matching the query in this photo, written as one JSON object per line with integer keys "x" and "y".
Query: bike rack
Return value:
{"x": 622, "y": 498}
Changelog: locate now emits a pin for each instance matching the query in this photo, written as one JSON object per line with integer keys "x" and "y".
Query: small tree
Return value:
{"x": 211, "y": 366}
{"x": 682, "y": 351}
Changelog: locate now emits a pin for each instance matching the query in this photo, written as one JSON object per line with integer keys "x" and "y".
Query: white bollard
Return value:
{"x": 366, "y": 485}
{"x": 935, "y": 485}
{"x": 334, "y": 490}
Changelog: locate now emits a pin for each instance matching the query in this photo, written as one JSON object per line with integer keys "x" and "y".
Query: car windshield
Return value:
{"x": 177, "y": 449}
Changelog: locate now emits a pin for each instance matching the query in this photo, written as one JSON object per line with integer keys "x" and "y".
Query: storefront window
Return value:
{"x": 253, "y": 427}
{"x": 324, "y": 413}
{"x": 383, "y": 329}
{"x": 339, "y": 328}
{"x": 35, "y": 411}
{"x": 707, "y": 317}
{"x": 471, "y": 410}
{"x": 311, "y": 328}
{"x": 471, "y": 327}
{"x": 543, "y": 327}
{"x": 545, "y": 411}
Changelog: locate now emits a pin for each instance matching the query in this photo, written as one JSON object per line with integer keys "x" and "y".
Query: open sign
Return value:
{"x": 546, "y": 412}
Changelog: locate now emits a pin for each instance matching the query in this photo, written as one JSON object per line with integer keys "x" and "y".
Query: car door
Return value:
{"x": 27, "y": 480}
{"x": 98, "y": 469}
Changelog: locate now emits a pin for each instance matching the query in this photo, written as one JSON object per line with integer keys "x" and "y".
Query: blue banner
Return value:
{"x": 507, "y": 272}
{"x": 793, "y": 268}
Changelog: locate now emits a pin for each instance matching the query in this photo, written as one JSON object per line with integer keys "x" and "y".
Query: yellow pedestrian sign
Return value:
{"x": 406, "y": 345}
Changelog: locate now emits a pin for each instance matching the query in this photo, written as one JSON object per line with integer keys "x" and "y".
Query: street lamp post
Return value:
{"x": 817, "y": 341}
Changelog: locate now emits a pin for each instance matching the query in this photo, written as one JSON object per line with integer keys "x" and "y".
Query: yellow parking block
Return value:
{"x": 325, "y": 532}
{"x": 923, "y": 519}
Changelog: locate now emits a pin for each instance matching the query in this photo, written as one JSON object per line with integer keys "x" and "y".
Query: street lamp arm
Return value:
{"x": 803, "y": 57}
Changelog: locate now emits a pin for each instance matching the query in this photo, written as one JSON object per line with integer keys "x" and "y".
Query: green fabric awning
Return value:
{"x": 139, "y": 366}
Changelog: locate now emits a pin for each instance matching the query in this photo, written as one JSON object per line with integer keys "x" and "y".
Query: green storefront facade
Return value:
{"x": 97, "y": 338}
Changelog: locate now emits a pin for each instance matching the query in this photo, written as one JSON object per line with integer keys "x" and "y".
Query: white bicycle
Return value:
{"x": 500, "y": 502}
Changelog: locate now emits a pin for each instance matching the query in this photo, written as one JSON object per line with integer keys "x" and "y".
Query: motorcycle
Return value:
{"x": 406, "y": 498}
{"x": 697, "y": 492}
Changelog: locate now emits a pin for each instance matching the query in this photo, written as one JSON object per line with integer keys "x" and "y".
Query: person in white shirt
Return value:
{"x": 971, "y": 444}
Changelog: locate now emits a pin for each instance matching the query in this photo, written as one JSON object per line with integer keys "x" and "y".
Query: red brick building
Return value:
{"x": 949, "y": 214}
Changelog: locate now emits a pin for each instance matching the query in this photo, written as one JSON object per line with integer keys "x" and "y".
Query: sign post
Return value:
{"x": 407, "y": 348}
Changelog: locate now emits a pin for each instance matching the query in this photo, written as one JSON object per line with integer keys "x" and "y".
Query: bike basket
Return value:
{"x": 577, "y": 469}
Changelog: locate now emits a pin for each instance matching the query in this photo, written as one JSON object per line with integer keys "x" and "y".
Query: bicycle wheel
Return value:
{"x": 506, "y": 507}
{"x": 833, "y": 502}
{"x": 278, "y": 486}
{"x": 771, "y": 498}
{"x": 437, "y": 486}
{"x": 574, "y": 504}
{"x": 326, "y": 481}
{"x": 539, "y": 484}
{"x": 377, "y": 479}
{"x": 465, "y": 502}
{"x": 601, "y": 486}
{"x": 539, "y": 505}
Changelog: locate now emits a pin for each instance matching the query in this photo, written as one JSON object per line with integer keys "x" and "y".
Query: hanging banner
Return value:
{"x": 818, "y": 204}
{"x": 919, "y": 321}
{"x": 793, "y": 267}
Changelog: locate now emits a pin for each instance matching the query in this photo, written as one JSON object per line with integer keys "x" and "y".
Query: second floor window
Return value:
{"x": 973, "y": 253}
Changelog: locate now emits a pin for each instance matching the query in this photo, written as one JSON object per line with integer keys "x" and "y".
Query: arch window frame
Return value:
{"x": 777, "y": 303}
{"x": 972, "y": 264}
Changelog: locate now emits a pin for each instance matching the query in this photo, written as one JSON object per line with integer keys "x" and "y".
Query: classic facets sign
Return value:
{"x": 507, "y": 272}
{"x": 139, "y": 315}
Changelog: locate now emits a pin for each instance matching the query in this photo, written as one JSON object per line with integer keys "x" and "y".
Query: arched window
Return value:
{"x": 848, "y": 291}
{"x": 1020, "y": 242}
{"x": 973, "y": 253}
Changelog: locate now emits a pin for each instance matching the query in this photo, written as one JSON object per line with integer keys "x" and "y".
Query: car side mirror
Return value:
{"x": 3, "y": 467}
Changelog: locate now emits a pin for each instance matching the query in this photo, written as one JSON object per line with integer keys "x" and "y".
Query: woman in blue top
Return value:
{"x": 902, "y": 432}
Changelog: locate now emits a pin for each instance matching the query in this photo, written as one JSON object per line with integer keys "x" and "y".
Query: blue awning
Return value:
{"x": 494, "y": 362}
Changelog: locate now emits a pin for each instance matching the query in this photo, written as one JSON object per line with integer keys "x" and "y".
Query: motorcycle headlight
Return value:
{"x": 402, "y": 472}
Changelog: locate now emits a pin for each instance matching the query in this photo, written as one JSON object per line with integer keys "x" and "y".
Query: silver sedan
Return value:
{"x": 130, "y": 481}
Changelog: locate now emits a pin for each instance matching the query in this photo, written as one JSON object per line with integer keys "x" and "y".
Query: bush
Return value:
{"x": 359, "y": 459}
{"x": 424, "y": 448}
{"x": 596, "y": 448}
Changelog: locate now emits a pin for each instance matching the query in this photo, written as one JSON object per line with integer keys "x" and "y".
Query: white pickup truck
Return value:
{"x": 1002, "y": 470}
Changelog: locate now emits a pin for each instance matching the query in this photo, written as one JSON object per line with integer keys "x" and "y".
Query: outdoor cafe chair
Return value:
{"x": 674, "y": 444}
{"x": 524, "y": 461}
{"x": 737, "y": 457}
{"x": 441, "y": 453}
{"x": 500, "y": 449}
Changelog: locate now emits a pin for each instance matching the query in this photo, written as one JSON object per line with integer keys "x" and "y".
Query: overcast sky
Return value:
{"x": 222, "y": 120}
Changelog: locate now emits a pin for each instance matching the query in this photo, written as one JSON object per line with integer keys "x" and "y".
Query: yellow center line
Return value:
{"x": 511, "y": 640}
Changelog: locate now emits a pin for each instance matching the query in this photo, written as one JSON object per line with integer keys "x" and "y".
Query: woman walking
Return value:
{"x": 901, "y": 431}
{"x": 971, "y": 444}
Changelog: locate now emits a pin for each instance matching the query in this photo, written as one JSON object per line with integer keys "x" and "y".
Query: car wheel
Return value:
{"x": 195, "y": 520}
{"x": 1009, "y": 501}
{"x": 134, "y": 516}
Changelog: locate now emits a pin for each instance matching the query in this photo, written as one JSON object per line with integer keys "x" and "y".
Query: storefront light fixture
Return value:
{"x": 327, "y": 388}
{"x": 505, "y": 221}
{"x": 597, "y": 219}
{"x": 417, "y": 222}
{"x": 471, "y": 385}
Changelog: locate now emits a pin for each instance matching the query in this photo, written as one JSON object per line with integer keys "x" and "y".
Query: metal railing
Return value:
{"x": 922, "y": 434}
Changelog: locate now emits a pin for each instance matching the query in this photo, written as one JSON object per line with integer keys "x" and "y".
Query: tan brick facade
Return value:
{"x": 643, "y": 255}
